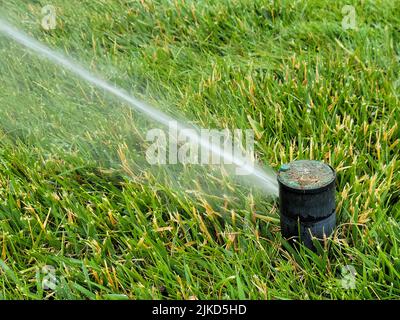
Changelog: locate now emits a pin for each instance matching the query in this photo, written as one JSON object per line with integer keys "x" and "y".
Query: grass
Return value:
{"x": 288, "y": 70}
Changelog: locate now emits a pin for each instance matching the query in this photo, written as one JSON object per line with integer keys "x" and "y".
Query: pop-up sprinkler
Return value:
{"x": 307, "y": 200}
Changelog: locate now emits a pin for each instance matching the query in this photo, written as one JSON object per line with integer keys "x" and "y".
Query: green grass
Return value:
{"x": 308, "y": 88}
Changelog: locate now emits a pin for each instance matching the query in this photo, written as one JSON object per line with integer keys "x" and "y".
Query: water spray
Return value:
{"x": 307, "y": 200}
{"x": 306, "y": 188}
{"x": 257, "y": 175}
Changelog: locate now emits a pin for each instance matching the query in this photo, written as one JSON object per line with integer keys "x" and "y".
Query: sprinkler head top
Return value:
{"x": 306, "y": 175}
{"x": 307, "y": 200}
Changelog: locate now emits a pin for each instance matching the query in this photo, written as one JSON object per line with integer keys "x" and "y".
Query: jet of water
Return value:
{"x": 257, "y": 176}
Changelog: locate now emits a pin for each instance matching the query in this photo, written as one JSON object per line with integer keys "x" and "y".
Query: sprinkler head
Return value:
{"x": 307, "y": 200}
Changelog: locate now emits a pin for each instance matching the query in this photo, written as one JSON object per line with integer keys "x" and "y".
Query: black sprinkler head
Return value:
{"x": 307, "y": 200}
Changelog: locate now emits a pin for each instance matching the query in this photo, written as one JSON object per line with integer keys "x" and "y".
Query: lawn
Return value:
{"x": 78, "y": 201}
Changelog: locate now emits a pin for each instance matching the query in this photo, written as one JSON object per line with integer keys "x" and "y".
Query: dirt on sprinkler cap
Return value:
{"x": 306, "y": 174}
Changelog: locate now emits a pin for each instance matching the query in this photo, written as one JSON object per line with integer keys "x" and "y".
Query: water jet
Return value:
{"x": 257, "y": 176}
